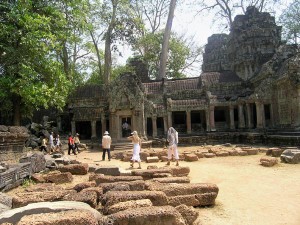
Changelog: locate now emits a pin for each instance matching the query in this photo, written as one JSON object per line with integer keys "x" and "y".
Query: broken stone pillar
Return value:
{"x": 231, "y": 116}
{"x": 154, "y": 126}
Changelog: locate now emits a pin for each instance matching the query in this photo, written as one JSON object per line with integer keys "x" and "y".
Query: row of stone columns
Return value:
{"x": 244, "y": 121}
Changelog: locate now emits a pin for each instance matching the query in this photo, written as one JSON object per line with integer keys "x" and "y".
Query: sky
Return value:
{"x": 200, "y": 27}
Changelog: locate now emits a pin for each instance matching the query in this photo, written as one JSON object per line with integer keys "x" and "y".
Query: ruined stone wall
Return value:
{"x": 12, "y": 142}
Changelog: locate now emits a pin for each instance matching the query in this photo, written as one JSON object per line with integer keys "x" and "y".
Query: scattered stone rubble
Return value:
{"x": 143, "y": 197}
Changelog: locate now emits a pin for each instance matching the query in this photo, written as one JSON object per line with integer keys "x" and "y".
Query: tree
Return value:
{"x": 30, "y": 75}
{"x": 165, "y": 44}
{"x": 290, "y": 19}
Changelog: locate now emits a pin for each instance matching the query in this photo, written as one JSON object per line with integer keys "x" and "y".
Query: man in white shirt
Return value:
{"x": 106, "y": 142}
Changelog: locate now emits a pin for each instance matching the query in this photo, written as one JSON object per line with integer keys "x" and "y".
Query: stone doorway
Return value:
{"x": 126, "y": 124}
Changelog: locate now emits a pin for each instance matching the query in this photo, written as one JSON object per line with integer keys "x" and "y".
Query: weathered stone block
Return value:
{"x": 191, "y": 157}
{"x": 138, "y": 185}
{"x": 67, "y": 217}
{"x": 38, "y": 178}
{"x": 268, "y": 162}
{"x": 157, "y": 198}
{"x": 188, "y": 213}
{"x": 108, "y": 170}
{"x": 22, "y": 199}
{"x": 75, "y": 169}
{"x": 79, "y": 187}
{"x": 89, "y": 197}
{"x": 152, "y": 159}
{"x": 172, "y": 180}
{"x": 196, "y": 200}
{"x": 180, "y": 171}
{"x": 121, "y": 206}
{"x": 59, "y": 178}
{"x": 251, "y": 151}
{"x": 291, "y": 156}
{"x": 111, "y": 179}
{"x": 148, "y": 174}
{"x": 163, "y": 215}
{"x": 44, "y": 187}
{"x": 222, "y": 154}
{"x": 209, "y": 155}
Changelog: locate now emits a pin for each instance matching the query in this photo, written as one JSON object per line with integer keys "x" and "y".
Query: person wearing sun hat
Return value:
{"x": 136, "y": 149}
{"x": 106, "y": 142}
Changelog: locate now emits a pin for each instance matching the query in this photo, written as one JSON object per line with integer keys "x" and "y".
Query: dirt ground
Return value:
{"x": 249, "y": 194}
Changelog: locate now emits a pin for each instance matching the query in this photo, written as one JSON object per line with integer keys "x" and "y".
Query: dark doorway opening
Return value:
{"x": 126, "y": 126}
{"x": 179, "y": 121}
{"x": 160, "y": 126}
{"x": 149, "y": 127}
{"x": 84, "y": 129}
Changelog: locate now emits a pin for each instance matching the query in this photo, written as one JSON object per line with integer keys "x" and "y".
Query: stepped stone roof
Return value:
{"x": 209, "y": 78}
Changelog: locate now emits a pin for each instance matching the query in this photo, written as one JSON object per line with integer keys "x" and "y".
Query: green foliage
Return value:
{"x": 291, "y": 23}
{"x": 30, "y": 70}
{"x": 178, "y": 53}
{"x": 27, "y": 182}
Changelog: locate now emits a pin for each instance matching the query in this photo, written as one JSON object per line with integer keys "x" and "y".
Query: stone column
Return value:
{"x": 271, "y": 115}
{"x": 169, "y": 119}
{"x": 212, "y": 118}
{"x": 241, "y": 116}
{"x": 154, "y": 126}
{"x": 113, "y": 126}
{"x": 231, "y": 117}
{"x": 94, "y": 133}
{"x": 188, "y": 122}
{"x": 259, "y": 116}
{"x": 165, "y": 124}
{"x": 207, "y": 120}
{"x": 249, "y": 116}
{"x": 73, "y": 127}
{"x": 103, "y": 124}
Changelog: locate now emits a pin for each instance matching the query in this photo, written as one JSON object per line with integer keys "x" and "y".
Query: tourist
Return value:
{"x": 106, "y": 142}
{"x": 125, "y": 128}
{"x": 71, "y": 145}
{"x": 173, "y": 142}
{"x": 57, "y": 144}
{"x": 76, "y": 142}
{"x": 136, "y": 149}
{"x": 51, "y": 142}
{"x": 44, "y": 145}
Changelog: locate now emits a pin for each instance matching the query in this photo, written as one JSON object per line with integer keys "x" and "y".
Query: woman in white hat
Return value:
{"x": 136, "y": 148}
{"x": 106, "y": 142}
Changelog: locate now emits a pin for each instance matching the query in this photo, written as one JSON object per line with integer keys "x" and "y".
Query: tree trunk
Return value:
{"x": 165, "y": 45}
{"x": 17, "y": 110}
{"x": 97, "y": 53}
{"x": 107, "y": 56}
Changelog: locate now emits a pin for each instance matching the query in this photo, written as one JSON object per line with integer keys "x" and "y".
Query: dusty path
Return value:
{"x": 250, "y": 194}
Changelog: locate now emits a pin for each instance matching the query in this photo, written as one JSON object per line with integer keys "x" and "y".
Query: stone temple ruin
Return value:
{"x": 250, "y": 84}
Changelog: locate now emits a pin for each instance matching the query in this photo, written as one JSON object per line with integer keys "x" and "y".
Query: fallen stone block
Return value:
{"x": 94, "y": 176}
{"x": 22, "y": 199}
{"x": 148, "y": 174}
{"x": 108, "y": 170}
{"x": 89, "y": 197}
{"x": 124, "y": 172}
{"x": 79, "y": 187}
{"x": 233, "y": 152}
{"x": 15, "y": 215}
{"x": 111, "y": 179}
{"x": 152, "y": 159}
{"x": 191, "y": 158}
{"x": 163, "y": 215}
{"x": 65, "y": 217}
{"x": 199, "y": 154}
{"x": 290, "y": 156}
{"x": 222, "y": 154}
{"x": 188, "y": 213}
{"x": 59, "y": 178}
{"x": 209, "y": 155}
{"x": 172, "y": 180}
{"x": 173, "y": 189}
{"x": 180, "y": 171}
{"x": 75, "y": 169}
{"x": 98, "y": 190}
{"x": 121, "y": 206}
{"x": 164, "y": 158}
{"x": 161, "y": 175}
{"x": 6, "y": 199}
{"x": 4, "y": 208}
{"x": 268, "y": 162}
{"x": 138, "y": 185}
{"x": 275, "y": 152}
{"x": 44, "y": 187}
{"x": 195, "y": 200}
{"x": 158, "y": 198}
{"x": 38, "y": 178}
{"x": 152, "y": 167}
{"x": 242, "y": 153}
{"x": 251, "y": 151}
{"x": 144, "y": 156}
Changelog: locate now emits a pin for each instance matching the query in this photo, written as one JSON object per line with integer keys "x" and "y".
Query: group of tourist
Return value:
{"x": 172, "y": 139}
{"x": 53, "y": 144}
{"x": 73, "y": 145}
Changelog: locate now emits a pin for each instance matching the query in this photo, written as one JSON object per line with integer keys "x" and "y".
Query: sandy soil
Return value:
{"x": 249, "y": 194}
